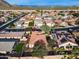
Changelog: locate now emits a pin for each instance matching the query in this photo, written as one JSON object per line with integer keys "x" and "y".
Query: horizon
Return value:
{"x": 44, "y": 3}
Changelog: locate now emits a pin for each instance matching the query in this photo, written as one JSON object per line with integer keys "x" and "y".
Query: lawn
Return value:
{"x": 19, "y": 47}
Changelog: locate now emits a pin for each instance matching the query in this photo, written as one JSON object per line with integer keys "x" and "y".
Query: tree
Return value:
{"x": 75, "y": 52}
{"x": 61, "y": 50}
{"x": 19, "y": 49}
{"x": 39, "y": 49}
{"x": 12, "y": 25}
{"x": 31, "y": 23}
{"x": 76, "y": 14}
{"x": 45, "y": 28}
{"x": 9, "y": 18}
{"x": 61, "y": 14}
{"x": 51, "y": 42}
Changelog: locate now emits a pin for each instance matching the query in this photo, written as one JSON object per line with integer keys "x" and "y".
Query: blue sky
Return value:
{"x": 45, "y": 2}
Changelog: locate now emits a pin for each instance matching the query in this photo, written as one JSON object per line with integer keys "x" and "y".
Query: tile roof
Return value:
{"x": 48, "y": 21}
{"x": 58, "y": 21}
{"x": 65, "y": 37}
{"x": 35, "y": 36}
{"x": 76, "y": 33}
{"x": 6, "y": 46}
{"x": 11, "y": 34}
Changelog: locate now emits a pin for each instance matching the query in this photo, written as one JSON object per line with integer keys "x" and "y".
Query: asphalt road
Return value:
{"x": 9, "y": 22}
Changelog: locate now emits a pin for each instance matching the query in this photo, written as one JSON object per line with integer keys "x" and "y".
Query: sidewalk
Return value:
{"x": 45, "y": 57}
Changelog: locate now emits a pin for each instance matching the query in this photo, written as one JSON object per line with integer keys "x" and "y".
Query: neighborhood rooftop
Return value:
{"x": 6, "y": 46}
{"x": 11, "y": 34}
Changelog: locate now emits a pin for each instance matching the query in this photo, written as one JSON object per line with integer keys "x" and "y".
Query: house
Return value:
{"x": 6, "y": 45}
{"x": 68, "y": 45}
{"x": 65, "y": 40}
{"x": 2, "y": 20}
{"x": 19, "y": 24}
{"x": 49, "y": 22}
{"x": 76, "y": 33}
{"x": 11, "y": 35}
{"x": 71, "y": 21}
{"x": 38, "y": 22}
{"x": 64, "y": 24}
{"x": 36, "y": 36}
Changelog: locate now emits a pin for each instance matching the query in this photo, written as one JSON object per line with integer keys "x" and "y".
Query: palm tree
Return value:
{"x": 40, "y": 11}
{"x": 19, "y": 49}
{"x": 31, "y": 24}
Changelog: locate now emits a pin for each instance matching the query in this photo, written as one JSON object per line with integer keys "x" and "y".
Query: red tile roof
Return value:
{"x": 58, "y": 21}
{"x": 35, "y": 36}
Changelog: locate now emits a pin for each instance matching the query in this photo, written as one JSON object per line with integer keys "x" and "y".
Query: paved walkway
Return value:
{"x": 45, "y": 57}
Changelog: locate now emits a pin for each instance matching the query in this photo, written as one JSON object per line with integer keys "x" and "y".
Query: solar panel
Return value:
{"x": 63, "y": 40}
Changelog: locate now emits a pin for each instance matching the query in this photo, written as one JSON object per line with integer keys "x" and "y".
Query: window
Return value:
{"x": 69, "y": 46}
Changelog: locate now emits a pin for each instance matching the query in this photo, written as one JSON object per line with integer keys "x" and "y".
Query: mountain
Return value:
{"x": 4, "y": 4}
{"x": 48, "y": 7}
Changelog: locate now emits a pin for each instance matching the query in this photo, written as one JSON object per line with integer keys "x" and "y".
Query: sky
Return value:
{"x": 45, "y": 2}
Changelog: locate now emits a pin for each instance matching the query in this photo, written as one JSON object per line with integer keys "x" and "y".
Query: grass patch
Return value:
{"x": 19, "y": 47}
